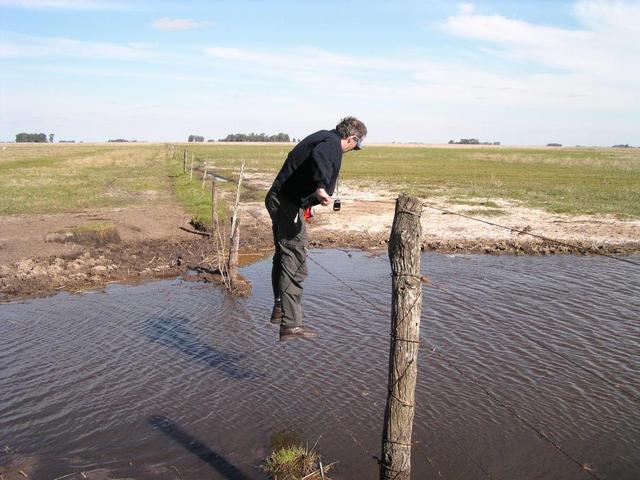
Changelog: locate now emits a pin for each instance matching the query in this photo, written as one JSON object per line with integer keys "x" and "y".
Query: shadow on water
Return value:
{"x": 192, "y": 445}
{"x": 173, "y": 332}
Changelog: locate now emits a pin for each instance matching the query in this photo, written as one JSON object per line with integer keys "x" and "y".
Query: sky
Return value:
{"x": 519, "y": 72}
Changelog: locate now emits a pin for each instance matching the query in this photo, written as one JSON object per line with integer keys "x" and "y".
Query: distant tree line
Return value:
{"x": 32, "y": 137}
{"x": 471, "y": 141}
{"x": 256, "y": 137}
{"x": 121, "y": 140}
{"x": 554, "y": 144}
{"x": 196, "y": 138}
{"x": 622, "y": 145}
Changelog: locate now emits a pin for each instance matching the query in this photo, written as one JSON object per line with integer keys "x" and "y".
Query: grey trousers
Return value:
{"x": 290, "y": 258}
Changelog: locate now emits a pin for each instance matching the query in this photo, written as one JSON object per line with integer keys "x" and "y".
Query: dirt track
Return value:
{"x": 153, "y": 246}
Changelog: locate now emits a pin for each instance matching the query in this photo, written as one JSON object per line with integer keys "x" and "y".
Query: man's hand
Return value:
{"x": 322, "y": 196}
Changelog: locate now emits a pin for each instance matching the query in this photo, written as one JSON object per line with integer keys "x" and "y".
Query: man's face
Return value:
{"x": 352, "y": 143}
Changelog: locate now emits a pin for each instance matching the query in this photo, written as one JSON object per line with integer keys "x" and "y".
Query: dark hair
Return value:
{"x": 351, "y": 126}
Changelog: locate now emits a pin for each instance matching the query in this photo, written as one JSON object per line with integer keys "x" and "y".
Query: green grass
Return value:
{"x": 57, "y": 178}
{"x": 293, "y": 462}
{"x": 575, "y": 181}
{"x": 70, "y": 178}
{"x": 195, "y": 199}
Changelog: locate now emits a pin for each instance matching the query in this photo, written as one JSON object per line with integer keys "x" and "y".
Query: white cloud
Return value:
{"x": 24, "y": 46}
{"x": 174, "y": 24}
{"x": 606, "y": 46}
{"x": 414, "y": 79}
{"x": 64, "y": 4}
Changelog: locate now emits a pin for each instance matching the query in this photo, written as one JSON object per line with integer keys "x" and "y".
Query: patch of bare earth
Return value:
{"x": 38, "y": 256}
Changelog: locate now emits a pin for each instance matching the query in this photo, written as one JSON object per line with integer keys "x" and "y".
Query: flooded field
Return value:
{"x": 176, "y": 380}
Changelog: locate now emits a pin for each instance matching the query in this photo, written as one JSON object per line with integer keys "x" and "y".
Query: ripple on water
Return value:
{"x": 175, "y": 373}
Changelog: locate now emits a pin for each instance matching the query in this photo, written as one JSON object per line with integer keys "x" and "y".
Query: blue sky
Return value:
{"x": 519, "y": 72}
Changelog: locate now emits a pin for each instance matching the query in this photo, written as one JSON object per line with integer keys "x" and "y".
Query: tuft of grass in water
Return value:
{"x": 293, "y": 462}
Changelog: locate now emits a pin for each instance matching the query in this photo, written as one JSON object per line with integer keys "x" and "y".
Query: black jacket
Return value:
{"x": 313, "y": 163}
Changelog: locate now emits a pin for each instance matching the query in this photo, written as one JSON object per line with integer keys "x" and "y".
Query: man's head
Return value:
{"x": 352, "y": 132}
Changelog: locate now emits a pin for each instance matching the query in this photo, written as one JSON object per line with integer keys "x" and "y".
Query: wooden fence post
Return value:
{"x": 213, "y": 204}
{"x": 406, "y": 308}
{"x": 235, "y": 205}
{"x": 204, "y": 175}
{"x": 235, "y": 234}
{"x": 233, "y": 254}
{"x": 184, "y": 161}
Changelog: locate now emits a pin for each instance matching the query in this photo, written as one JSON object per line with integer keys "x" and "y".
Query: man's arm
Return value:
{"x": 322, "y": 167}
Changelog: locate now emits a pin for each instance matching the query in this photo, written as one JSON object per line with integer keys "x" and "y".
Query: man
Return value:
{"x": 308, "y": 177}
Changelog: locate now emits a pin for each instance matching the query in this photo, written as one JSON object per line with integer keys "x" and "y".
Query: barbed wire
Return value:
{"x": 535, "y": 235}
{"x": 616, "y": 385}
{"x": 585, "y": 468}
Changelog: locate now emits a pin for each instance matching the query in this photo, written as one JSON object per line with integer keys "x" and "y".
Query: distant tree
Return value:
{"x": 259, "y": 137}
{"x": 451, "y": 142}
{"x": 622, "y": 145}
{"x": 31, "y": 137}
{"x": 554, "y": 144}
{"x": 196, "y": 138}
{"x": 51, "y": 138}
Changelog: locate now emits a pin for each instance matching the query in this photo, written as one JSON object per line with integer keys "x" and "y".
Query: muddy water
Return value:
{"x": 147, "y": 381}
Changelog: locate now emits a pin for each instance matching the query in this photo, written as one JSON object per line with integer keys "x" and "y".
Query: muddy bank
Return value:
{"x": 196, "y": 258}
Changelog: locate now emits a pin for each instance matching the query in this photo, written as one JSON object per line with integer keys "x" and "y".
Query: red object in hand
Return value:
{"x": 308, "y": 213}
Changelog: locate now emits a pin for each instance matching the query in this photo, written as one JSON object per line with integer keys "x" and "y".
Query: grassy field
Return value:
{"x": 37, "y": 178}
{"x": 54, "y": 178}
{"x": 577, "y": 181}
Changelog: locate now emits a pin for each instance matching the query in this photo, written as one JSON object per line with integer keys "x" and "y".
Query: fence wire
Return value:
{"x": 584, "y": 467}
{"x": 535, "y": 235}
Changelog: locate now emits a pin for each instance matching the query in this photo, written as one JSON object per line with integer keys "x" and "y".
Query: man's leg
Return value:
{"x": 273, "y": 203}
{"x": 294, "y": 271}
{"x": 292, "y": 239}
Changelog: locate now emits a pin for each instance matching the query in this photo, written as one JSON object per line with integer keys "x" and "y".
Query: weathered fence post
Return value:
{"x": 233, "y": 254}
{"x": 235, "y": 205}
{"x": 406, "y": 308}
{"x": 191, "y": 173}
{"x": 235, "y": 233}
{"x": 213, "y": 204}
{"x": 204, "y": 175}
{"x": 184, "y": 161}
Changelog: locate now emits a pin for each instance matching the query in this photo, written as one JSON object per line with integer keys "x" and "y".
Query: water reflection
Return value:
{"x": 174, "y": 332}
